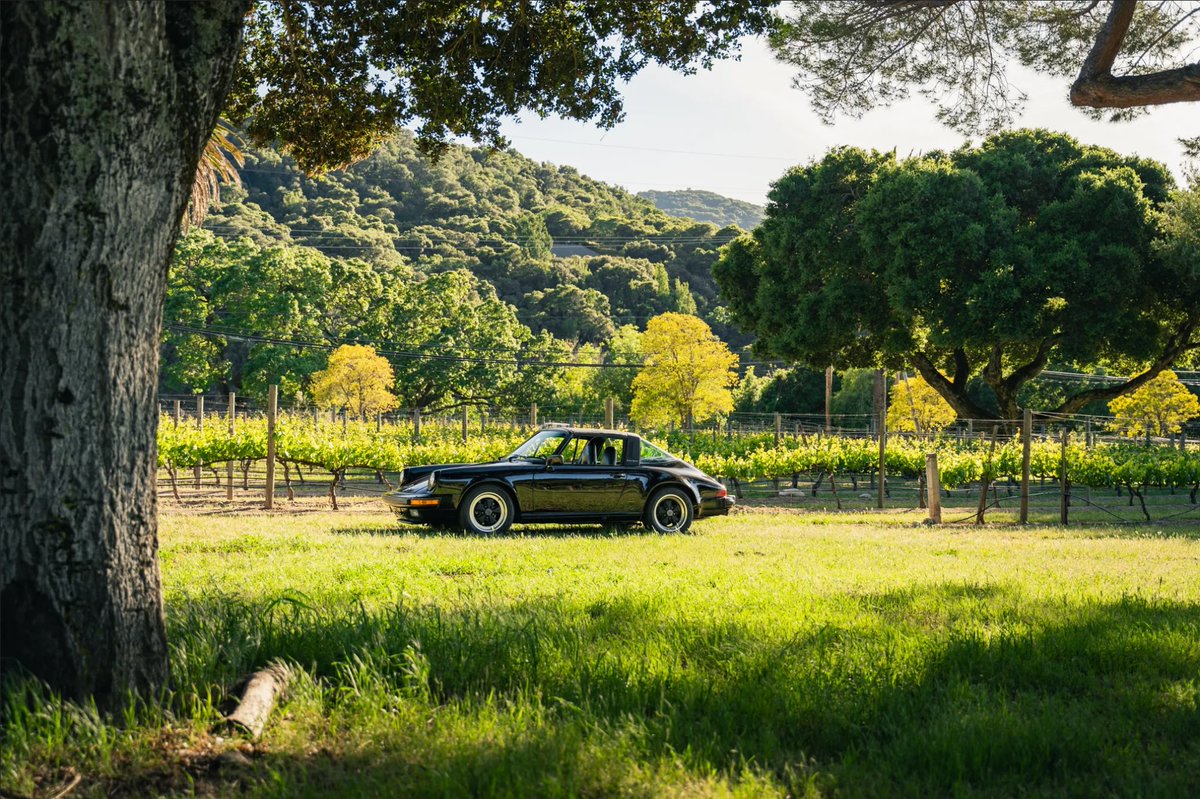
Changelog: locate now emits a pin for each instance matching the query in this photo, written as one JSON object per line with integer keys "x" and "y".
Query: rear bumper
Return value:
{"x": 716, "y": 506}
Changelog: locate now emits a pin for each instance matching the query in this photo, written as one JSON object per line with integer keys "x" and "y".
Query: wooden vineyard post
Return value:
{"x": 1026, "y": 452}
{"x": 828, "y": 398}
{"x": 344, "y": 422}
{"x": 378, "y": 421}
{"x": 417, "y": 425}
{"x": 933, "y": 480}
{"x": 200, "y": 427}
{"x": 316, "y": 419}
{"x": 882, "y": 453}
{"x": 483, "y": 416}
{"x": 533, "y": 416}
{"x": 1064, "y": 482}
{"x": 877, "y": 399}
{"x": 464, "y": 424}
{"x": 608, "y": 413}
{"x": 272, "y": 409}
{"x": 178, "y": 412}
{"x": 232, "y": 431}
{"x": 778, "y": 428}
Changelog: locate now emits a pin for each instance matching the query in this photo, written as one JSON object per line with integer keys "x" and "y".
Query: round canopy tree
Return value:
{"x": 986, "y": 262}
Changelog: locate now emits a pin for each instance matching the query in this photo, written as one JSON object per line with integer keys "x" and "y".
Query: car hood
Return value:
{"x": 412, "y": 473}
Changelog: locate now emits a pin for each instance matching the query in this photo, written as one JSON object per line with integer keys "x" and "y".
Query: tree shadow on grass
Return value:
{"x": 964, "y": 689}
{"x": 934, "y": 690}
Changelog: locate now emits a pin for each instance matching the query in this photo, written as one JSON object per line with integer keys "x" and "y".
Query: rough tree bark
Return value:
{"x": 104, "y": 110}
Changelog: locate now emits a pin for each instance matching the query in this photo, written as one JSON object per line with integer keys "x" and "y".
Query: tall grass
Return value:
{"x": 765, "y": 655}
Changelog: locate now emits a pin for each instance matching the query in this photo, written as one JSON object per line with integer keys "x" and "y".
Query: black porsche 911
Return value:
{"x": 563, "y": 474}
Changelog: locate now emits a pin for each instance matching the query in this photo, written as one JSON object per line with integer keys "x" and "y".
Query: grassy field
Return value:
{"x": 771, "y": 653}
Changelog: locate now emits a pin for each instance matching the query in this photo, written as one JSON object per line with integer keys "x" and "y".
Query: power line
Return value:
{"x": 1080, "y": 376}
{"x": 789, "y": 159}
{"x": 209, "y": 332}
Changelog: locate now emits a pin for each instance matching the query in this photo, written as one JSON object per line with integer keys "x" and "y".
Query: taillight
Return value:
{"x": 721, "y": 492}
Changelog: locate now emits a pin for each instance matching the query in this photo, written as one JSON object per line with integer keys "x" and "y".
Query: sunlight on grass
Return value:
{"x": 768, "y": 654}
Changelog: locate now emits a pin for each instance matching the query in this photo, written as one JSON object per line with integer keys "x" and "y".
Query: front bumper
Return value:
{"x": 420, "y": 508}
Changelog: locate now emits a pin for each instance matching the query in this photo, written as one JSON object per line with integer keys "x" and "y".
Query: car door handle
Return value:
{"x": 619, "y": 474}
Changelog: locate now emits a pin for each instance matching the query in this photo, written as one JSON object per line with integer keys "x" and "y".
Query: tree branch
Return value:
{"x": 956, "y": 396}
{"x": 1021, "y": 376}
{"x": 1180, "y": 343}
{"x": 1108, "y": 41}
{"x": 1096, "y": 87}
{"x": 962, "y": 369}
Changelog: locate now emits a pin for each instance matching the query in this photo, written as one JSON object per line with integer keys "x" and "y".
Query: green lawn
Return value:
{"x": 766, "y": 654}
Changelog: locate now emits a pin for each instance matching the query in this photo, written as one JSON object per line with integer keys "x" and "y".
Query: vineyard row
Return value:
{"x": 335, "y": 449}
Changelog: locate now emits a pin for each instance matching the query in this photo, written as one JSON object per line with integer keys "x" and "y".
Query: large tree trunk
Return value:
{"x": 105, "y": 109}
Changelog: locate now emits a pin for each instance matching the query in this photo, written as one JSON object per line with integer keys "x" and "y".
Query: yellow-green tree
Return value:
{"x": 686, "y": 371}
{"x": 915, "y": 406}
{"x": 358, "y": 380}
{"x": 1158, "y": 408}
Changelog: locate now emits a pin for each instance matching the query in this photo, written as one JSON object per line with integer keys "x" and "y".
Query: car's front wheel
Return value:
{"x": 669, "y": 511}
{"x": 486, "y": 510}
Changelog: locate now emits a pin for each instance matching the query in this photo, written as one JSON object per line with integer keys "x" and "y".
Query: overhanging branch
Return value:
{"x": 1180, "y": 343}
{"x": 1097, "y": 87}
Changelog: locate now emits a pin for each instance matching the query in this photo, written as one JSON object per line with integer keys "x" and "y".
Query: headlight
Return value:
{"x": 430, "y": 481}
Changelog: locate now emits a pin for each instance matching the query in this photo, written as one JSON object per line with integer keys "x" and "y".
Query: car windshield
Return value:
{"x": 542, "y": 445}
{"x": 652, "y": 454}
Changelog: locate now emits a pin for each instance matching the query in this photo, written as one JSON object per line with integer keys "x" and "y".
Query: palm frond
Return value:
{"x": 218, "y": 164}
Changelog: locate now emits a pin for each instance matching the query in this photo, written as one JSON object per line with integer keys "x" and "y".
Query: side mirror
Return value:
{"x": 554, "y": 460}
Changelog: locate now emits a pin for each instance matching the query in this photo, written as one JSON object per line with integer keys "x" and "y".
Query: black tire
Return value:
{"x": 669, "y": 511}
{"x": 486, "y": 510}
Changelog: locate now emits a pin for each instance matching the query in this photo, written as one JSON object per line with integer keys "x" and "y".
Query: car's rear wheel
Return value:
{"x": 486, "y": 510}
{"x": 669, "y": 511}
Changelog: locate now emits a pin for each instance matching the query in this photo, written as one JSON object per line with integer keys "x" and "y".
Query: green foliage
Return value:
{"x": 363, "y": 255}
{"x": 706, "y": 206}
{"x": 625, "y": 347}
{"x": 989, "y": 261}
{"x": 570, "y": 313}
{"x": 332, "y": 81}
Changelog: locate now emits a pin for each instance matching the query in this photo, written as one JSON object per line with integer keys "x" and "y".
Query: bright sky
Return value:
{"x": 736, "y": 128}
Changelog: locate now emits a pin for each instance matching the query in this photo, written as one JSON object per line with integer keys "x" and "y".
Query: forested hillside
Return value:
{"x": 706, "y": 206}
{"x": 449, "y": 258}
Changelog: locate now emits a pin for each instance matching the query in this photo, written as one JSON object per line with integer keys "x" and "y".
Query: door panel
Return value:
{"x": 592, "y": 490}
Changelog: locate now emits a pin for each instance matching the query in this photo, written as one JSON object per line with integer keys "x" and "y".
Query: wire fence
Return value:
{"x": 1046, "y": 498}
{"x": 1095, "y": 429}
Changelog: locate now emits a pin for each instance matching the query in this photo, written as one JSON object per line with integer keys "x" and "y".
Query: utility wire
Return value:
{"x": 409, "y": 354}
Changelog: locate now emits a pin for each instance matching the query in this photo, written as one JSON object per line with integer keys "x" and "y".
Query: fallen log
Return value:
{"x": 263, "y": 689}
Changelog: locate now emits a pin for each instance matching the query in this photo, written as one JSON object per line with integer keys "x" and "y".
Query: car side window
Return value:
{"x": 612, "y": 451}
{"x": 595, "y": 451}
{"x": 549, "y": 447}
{"x": 652, "y": 454}
{"x": 574, "y": 448}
